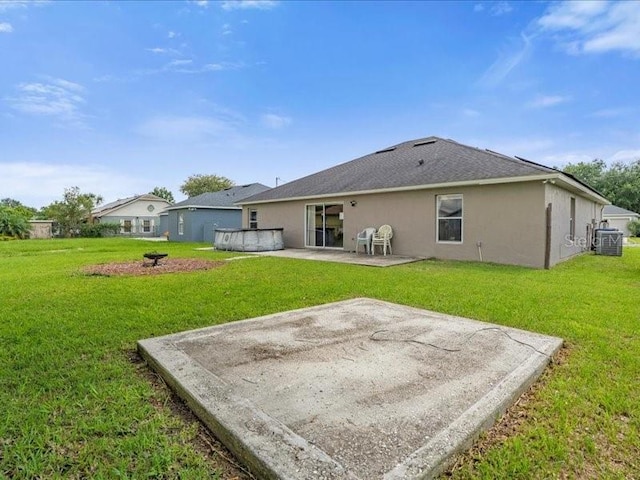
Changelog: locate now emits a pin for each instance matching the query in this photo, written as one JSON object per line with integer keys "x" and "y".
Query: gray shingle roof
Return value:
{"x": 615, "y": 210}
{"x": 426, "y": 161}
{"x": 223, "y": 198}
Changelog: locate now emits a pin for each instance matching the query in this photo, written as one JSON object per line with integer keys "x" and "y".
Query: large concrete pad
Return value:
{"x": 361, "y": 389}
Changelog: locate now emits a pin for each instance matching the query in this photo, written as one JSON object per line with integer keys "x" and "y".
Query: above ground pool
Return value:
{"x": 248, "y": 239}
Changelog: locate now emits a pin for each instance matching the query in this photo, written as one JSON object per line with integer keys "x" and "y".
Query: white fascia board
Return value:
{"x": 202, "y": 207}
{"x": 467, "y": 183}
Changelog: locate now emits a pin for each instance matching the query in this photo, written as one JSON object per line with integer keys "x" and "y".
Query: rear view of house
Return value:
{"x": 443, "y": 199}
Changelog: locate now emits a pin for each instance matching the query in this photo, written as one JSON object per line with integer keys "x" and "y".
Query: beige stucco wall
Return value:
{"x": 620, "y": 223}
{"x": 507, "y": 219}
{"x": 587, "y": 212}
{"x": 40, "y": 229}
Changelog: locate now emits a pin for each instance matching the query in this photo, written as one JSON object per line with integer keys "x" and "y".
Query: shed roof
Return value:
{"x": 415, "y": 163}
{"x": 222, "y": 199}
{"x": 615, "y": 210}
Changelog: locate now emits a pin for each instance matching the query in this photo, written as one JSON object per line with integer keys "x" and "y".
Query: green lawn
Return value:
{"x": 75, "y": 402}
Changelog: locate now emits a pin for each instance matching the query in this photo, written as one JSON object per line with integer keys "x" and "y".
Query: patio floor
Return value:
{"x": 340, "y": 256}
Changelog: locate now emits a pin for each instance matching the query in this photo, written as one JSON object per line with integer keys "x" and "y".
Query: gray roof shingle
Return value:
{"x": 223, "y": 198}
{"x": 426, "y": 161}
{"x": 615, "y": 210}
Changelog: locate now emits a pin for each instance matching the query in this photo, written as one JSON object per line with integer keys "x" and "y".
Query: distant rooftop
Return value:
{"x": 223, "y": 198}
{"x": 615, "y": 210}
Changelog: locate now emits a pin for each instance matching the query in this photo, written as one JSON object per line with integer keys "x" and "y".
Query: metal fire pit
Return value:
{"x": 155, "y": 256}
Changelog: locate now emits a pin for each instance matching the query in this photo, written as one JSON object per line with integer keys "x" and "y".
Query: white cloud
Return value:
{"x": 594, "y": 26}
{"x": 275, "y": 122}
{"x": 478, "y": 7}
{"x": 39, "y": 184}
{"x": 186, "y": 129}
{"x": 611, "y": 112}
{"x": 6, "y": 27}
{"x": 625, "y": 156}
{"x": 544, "y": 101}
{"x": 201, "y": 3}
{"x": 506, "y": 62}
{"x": 157, "y": 50}
{"x": 500, "y": 8}
{"x": 248, "y": 4}
{"x": 56, "y": 98}
{"x": 470, "y": 112}
{"x": 573, "y": 14}
{"x": 179, "y": 62}
{"x": 172, "y": 34}
{"x": 12, "y": 4}
{"x": 226, "y": 29}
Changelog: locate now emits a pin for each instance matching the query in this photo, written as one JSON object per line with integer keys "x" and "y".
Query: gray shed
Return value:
{"x": 196, "y": 218}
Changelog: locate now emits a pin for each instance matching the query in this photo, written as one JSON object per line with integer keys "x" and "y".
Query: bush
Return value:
{"x": 97, "y": 230}
{"x": 634, "y": 228}
{"x": 13, "y": 223}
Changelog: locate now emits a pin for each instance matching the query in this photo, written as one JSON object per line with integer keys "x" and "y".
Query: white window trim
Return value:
{"x": 252, "y": 210}
{"x": 449, "y": 197}
{"x": 180, "y": 223}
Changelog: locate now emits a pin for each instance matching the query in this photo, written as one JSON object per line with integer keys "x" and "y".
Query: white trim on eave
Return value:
{"x": 200, "y": 207}
{"x": 467, "y": 183}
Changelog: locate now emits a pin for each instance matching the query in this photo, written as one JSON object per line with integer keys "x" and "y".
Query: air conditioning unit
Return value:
{"x": 608, "y": 241}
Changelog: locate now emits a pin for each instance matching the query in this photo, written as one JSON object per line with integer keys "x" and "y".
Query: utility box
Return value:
{"x": 608, "y": 241}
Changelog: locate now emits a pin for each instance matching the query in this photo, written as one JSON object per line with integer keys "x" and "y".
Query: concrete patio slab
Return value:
{"x": 340, "y": 256}
{"x": 360, "y": 389}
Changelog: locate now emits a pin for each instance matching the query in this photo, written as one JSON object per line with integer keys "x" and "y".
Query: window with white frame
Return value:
{"x": 180, "y": 223}
{"x": 449, "y": 218}
{"x": 146, "y": 226}
{"x": 572, "y": 220}
{"x": 126, "y": 226}
{"x": 253, "y": 218}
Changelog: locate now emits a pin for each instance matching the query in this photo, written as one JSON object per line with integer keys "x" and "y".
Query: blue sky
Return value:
{"x": 120, "y": 97}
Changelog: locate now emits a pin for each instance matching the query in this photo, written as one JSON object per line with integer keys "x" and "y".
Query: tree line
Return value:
{"x": 72, "y": 213}
{"x": 619, "y": 182}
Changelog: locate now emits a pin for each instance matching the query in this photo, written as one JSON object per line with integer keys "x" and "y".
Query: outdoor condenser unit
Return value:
{"x": 608, "y": 241}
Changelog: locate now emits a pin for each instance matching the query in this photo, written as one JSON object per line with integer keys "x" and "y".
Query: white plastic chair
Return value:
{"x": 383, "y": 238}
{"x": 364, "y": 238}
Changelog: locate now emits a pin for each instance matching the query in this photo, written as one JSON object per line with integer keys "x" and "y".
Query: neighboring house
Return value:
{"x": 619, "y": 217}
{"x": 41, "y": 228}
{"x": 443, "y": 199}
{"x": 195, "y": 219}
{"x": 137, "y": 216}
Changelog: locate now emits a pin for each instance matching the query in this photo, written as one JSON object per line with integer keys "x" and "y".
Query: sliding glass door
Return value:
{"x": 324, "y": 225}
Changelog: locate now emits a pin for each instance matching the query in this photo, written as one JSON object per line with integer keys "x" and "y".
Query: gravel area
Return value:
{"x": 166, "y": 265}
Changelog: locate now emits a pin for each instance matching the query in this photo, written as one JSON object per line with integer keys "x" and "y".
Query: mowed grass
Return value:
{"x": 75, "y": 403}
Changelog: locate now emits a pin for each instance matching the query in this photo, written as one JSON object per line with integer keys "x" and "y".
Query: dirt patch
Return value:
{"x": 166, "y": 265}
